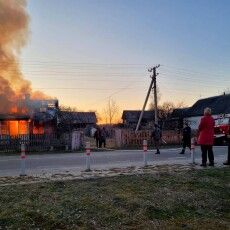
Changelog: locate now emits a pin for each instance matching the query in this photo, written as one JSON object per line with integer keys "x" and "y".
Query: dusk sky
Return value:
{"x": 85, "y": 51}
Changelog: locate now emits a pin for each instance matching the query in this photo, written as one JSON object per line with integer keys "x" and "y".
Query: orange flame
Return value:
{"x": 20, "y": 127}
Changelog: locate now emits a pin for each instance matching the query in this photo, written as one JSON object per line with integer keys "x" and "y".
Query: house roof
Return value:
{"x": 133, "y": 115}
{"x": 78, "y": 117}
{"x": 218, "y": 104}
{"x": 14, "y": 117}
{"x": 179, "y": 112}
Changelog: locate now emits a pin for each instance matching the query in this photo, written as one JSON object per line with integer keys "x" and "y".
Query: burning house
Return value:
{"x": 14, "y": 124}
{"x": 32, "y": 118}
{"x": 34, "y": 113}
{"x": 29, "y": 116}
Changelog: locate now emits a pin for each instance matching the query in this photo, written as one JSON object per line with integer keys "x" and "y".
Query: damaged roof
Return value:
{"x": 14, "y": 117}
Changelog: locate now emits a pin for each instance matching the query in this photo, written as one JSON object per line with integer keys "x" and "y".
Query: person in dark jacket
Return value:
{"x": 97, "y": 137}
{"x": 157, "y": 135}
{"x": 186, "y": 138}
{"x": 103, "y": 137}
{"x": 206, "y": 137}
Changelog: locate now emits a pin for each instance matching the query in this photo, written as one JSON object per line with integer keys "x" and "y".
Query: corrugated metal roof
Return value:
{"x": 78, "y": 117}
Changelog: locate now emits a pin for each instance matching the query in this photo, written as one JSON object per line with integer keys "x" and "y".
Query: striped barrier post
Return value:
{"x": 145, "y": 149}
{"x": 23, "y": 160}
{"x": 88, "y": 150}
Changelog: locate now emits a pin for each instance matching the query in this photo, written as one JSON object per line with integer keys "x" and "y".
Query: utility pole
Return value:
{"x": 154, "y": 77}
{"x": 153, "y": 85}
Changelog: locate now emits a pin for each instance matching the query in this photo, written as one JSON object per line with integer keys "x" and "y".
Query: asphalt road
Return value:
{"x": 63, "y": 162}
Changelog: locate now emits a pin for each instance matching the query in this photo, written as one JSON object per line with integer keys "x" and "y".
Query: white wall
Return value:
{"x": 219, "y": 120}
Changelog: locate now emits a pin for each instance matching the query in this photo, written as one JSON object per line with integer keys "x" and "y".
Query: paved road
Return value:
{"x": 63, "y": 162}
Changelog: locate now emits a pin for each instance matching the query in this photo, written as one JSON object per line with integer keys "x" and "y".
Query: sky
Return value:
{"x": 85, "y": 52}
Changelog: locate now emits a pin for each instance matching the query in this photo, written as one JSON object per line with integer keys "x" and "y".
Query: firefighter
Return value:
{"x": 157, "y": 135}
{"x": 186, "y": 137}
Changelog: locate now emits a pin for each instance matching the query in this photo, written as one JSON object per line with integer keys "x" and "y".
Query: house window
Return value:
{"x": 13, "y": 127}
{"x": 38, "y": 129}
{"x": 23, "y": 127}
{"x": 4, "y": 128}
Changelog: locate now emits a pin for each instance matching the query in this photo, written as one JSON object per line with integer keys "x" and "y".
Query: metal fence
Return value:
{"x": 75, "y": 140}
{"x": 33, "y": 142}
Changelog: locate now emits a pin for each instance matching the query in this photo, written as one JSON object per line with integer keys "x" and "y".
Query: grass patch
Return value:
{"x": 186, "y": 200}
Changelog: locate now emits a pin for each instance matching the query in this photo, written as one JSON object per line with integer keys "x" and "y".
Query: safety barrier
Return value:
{"x": 145, "y": 149}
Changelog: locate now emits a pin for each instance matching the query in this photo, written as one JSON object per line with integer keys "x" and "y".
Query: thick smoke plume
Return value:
{"x": 13, "y": 36}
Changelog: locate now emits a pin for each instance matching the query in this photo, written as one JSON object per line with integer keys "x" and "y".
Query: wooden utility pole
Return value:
{"x": 155, "y": 91}
{"x": 153, "y": 85}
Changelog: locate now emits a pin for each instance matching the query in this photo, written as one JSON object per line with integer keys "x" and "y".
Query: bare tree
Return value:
{"x": 166, "y": 109}
{"x": 180, "y": 105}
{"x": 111, "y": 111}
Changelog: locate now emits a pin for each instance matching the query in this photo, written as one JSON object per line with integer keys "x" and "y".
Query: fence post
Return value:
{"x": 66, "y": 147}
{"x": 193, "y": 150}
{"x": 88, "y": 156}
{"x": 145, "y": 149}
{"x": 51, "y": 148}
{"x": 23, "y": 160}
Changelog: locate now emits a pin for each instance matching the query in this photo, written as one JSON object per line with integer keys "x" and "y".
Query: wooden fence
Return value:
{"x": 128, "y": 138}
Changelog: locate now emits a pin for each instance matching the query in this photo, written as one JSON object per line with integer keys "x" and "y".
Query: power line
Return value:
{"x": 73, "y": 88}
{"x": 108, "y": 72}
{"x": 190, "y": 72}
{"x": 191, "y": 80}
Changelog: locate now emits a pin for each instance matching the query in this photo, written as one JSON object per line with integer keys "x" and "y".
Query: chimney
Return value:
{"x": 27, "y": 102}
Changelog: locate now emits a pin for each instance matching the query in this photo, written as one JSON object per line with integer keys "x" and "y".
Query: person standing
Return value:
{"x": 186, "y": 138}
{"x": 157, "y": 135}
{"x": 103, "y": 137}
{"x": 97, "y": 137}
{"x": 206, "y": 137}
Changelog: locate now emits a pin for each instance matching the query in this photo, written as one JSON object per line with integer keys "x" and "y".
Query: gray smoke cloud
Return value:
{"x": 14, "y": 21}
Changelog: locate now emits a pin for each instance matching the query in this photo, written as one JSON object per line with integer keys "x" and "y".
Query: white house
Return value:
{"x": 220, "y": 106}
